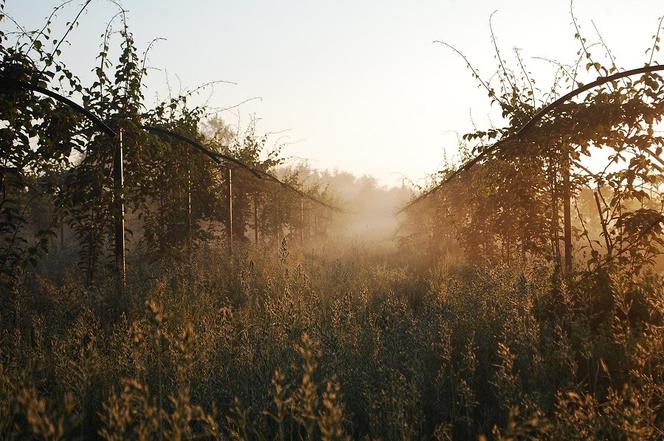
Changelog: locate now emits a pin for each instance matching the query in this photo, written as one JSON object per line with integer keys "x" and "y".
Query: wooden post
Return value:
{"x": 567, "y": 217}
{"x": 229, "y": 193}
{"x": 118, "y": 187}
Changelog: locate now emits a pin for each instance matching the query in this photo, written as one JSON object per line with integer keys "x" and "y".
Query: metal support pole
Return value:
{"x": 229, "y": 193}
{"x": 310, "y": 222}
{"x": 567, "y": 216}
{"x": 118, "y": 187}
{"x": 256, "y": 220}
{"x": 555, "y": 212}
{"x": 62, "y": 232}
{"x": 301, "y": 220}
{"x": 189, "y": 222}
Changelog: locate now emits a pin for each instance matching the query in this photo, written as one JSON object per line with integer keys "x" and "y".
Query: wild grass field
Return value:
{"x": 300, "y": 346}
{"x": 167, "y": 276}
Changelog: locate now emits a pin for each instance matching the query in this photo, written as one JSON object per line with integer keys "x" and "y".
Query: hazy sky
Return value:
{"x": 359, "y": 83}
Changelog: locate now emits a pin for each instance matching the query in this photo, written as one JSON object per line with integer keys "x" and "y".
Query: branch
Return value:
{"x": 48, "y": 22}
{"x": 495, "y": 46}
{"x": 64, "y": 37}
{"x": 530, "y": 123}
{"x": 654, "y": 44}
{"x": 525, "y": 73}
{"x": 470, "y": 66}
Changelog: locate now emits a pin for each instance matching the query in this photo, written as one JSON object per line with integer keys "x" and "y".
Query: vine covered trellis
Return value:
{"x": 111, "y": 154}
{"x": 528, "y": 189}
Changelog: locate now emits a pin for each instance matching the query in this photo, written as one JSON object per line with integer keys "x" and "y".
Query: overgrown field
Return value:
{"x": 293, "y": 346}
{"x": 519, "y": 296}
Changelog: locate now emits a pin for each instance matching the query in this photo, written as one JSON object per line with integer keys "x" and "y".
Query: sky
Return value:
{"x": 360, "y": 85}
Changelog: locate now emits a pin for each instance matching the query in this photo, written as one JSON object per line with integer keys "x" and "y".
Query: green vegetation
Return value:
{"x": 523, "y": 300}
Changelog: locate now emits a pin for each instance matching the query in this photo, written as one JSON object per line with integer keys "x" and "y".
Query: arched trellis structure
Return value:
{"x": 529, "y": 124}
{"x": 219, "y": 158}
{"x": 524, "y": 129}
{"x": 8, "y": 84}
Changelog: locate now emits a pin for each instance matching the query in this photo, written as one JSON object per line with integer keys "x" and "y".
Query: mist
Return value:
{"x": 369, "y": 209}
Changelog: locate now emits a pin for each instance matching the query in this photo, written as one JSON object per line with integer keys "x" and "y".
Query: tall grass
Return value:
{"x": 291, "y": 346}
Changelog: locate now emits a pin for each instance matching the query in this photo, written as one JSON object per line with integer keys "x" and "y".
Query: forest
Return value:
{"x": 165, "y": 275}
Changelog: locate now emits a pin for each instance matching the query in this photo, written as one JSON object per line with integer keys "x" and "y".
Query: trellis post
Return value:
{"x": 567, "y": 216}
{"x": 301, "y": 220}
{"x": 256, "y": 220}
{"x": 229, "y": 193}
{"x": 189, "y": 221}
{"x": 118, "y": 193}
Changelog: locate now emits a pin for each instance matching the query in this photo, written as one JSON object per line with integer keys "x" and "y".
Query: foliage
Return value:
{"x": 172, "y": 193}
{"x": 467, "y": 331}
{"x": 510, "y": 205}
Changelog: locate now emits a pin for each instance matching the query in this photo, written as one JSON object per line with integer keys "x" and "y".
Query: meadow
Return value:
{"x": 165, "y": 276}
{"x": 299, "y": 346}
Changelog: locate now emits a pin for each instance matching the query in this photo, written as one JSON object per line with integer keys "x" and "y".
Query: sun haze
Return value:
{"x": 359, "y": 86}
